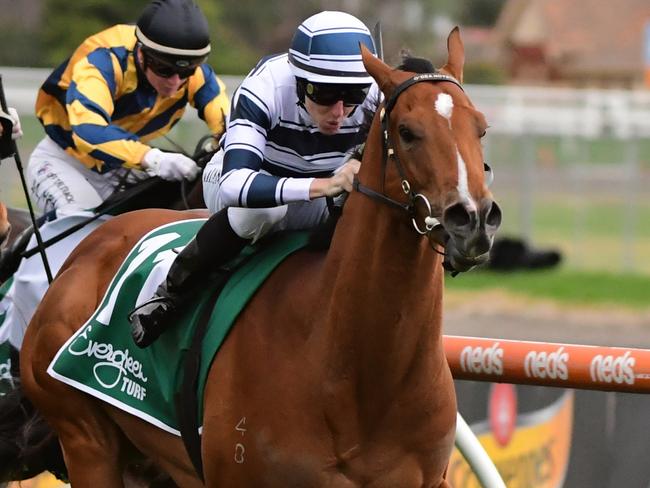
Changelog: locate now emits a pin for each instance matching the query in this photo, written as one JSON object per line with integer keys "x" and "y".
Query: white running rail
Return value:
{"x": 473, "y": 452}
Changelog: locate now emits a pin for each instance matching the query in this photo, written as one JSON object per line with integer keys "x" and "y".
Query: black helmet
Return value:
{"x": 174, "y": 29}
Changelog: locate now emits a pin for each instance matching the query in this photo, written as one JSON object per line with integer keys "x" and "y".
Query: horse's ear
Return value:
{"x": 456, "y": 58}
{"x": 376, "y": 68}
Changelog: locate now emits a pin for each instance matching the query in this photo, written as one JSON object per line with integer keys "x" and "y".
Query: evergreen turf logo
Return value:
{"x": 114, "y": 368}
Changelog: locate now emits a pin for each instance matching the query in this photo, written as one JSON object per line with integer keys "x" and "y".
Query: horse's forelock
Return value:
{"x": 415, "y": 64}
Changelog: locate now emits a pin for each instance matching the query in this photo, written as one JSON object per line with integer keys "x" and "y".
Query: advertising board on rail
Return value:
{"x": 526, "y": 431}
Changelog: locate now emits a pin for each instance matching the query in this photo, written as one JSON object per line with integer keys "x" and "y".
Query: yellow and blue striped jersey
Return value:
{"x": 100, "y": 108}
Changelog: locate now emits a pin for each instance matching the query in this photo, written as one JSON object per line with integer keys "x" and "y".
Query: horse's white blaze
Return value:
{"x": 463, "y": 185}
{"x": 445, "y": 106}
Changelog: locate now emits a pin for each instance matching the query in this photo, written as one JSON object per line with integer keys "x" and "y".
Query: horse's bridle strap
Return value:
{"x": 390, "y": 103}
{"x": 388, "y": 107}
{"x": 369, "y": 192}
{"x": 431, "y": 222}
{"x": 388, "y": 151}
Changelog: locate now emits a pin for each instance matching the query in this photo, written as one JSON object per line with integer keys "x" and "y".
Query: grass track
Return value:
{"x": 567, "y": 286}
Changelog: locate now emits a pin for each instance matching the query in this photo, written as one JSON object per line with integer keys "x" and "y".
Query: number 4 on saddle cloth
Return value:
{"x": 101, "y": 359}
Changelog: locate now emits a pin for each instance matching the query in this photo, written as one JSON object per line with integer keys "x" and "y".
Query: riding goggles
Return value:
{"x": 328, "y": 94}
{"x": 166, "y": 67}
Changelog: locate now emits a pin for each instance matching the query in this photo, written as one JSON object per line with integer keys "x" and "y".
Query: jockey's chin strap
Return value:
{"x": 388, "y": 152}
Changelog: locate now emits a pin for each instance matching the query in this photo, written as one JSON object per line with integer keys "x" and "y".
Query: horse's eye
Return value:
{"x": 406, "y": 134}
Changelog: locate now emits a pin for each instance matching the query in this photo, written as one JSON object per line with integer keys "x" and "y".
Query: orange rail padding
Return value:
{"x": 549, "y": 364}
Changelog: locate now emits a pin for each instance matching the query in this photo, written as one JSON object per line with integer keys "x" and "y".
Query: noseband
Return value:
{"x": 388, "y": 152}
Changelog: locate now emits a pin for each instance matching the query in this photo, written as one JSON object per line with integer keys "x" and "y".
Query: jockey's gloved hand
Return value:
{"x": 169, "y": 165}
{"x": 343, "y": 177}
{"x": 16, "y": 131}
{"x": 11, "y": 119}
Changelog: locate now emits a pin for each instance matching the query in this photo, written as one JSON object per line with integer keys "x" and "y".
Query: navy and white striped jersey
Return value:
{"x": 273, "y": 148}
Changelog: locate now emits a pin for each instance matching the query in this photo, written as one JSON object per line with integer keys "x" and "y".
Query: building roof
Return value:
{"x": 580, "y": 36}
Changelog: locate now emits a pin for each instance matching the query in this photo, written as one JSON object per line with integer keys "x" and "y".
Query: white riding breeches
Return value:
{"x": 253, "y": 223}
{"x": 58, "y": 181}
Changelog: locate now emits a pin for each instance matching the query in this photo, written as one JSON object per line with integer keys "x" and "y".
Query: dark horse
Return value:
{"x": 335, "y": 373}
{"x": 12, "y": 222}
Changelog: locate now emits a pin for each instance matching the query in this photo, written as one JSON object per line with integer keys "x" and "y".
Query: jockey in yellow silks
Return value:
{"x": 120, "y": 89}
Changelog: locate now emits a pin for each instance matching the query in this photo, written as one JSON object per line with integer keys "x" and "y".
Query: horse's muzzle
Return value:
{"x": 471, "y": 233}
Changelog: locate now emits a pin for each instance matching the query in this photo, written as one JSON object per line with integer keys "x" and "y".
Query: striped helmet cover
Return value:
{"x": 325, "y": 49}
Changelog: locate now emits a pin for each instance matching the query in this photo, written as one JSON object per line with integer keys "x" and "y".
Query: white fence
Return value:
{"x": 586, "y": 113}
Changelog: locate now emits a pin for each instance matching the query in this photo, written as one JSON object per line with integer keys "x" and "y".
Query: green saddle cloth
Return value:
{"x": 101, "y": 359}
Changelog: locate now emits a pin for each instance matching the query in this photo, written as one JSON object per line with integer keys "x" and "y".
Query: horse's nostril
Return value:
{"x": 457, "y": 216}
{"x": 493, "y": 217}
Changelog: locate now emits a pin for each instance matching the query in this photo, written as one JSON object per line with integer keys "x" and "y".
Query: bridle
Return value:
{"x": 388, "y": 153}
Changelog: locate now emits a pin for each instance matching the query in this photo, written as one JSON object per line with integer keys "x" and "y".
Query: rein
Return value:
{"x": 388, "y": 152}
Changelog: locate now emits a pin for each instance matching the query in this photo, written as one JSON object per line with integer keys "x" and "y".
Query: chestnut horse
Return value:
{"x": 334, "y": 375}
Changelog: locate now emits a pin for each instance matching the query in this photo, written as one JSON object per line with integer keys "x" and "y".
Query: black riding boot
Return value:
{"x": 214, "y": 245}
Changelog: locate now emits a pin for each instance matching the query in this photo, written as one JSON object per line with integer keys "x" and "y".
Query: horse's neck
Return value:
{"x": 383, "y": 300}
{"x": 383, "y": 276}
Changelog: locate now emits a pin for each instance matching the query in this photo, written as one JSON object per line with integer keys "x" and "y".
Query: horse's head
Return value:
{"x": 5, "y": 226}
{"x": 432, "y": 135}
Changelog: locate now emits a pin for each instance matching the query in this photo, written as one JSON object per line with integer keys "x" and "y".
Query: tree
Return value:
{"x": 243, "y": 32}
{"x": 68, "y": 23}
{"x": 480, "y": 12}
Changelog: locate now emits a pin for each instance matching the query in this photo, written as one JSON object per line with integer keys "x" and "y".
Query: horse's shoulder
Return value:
{"x": 131, "y": 226}
{"x": 113, "y": 240}
{"x": 154, "y": 217}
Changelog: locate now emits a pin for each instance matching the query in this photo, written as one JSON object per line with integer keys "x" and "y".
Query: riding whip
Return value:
{"x": 379, "y": 42}
{"x": 19, "y": 167}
